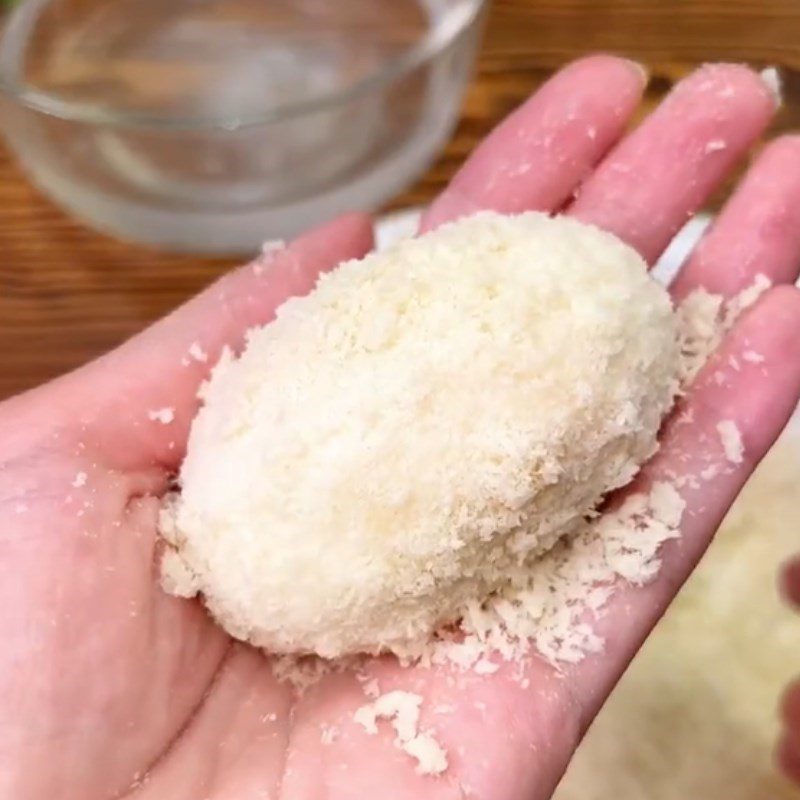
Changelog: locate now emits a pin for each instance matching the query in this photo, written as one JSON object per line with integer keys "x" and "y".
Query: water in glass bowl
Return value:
{"x": 211, "y": 125}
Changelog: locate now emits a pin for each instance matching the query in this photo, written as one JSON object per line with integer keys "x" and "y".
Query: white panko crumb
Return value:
{"x": 402, "y": 710}
{"x": 731, "y": 439}
{"x": 710, "y": 472}
{"x": 772, "y": 79}
{"x": 371, "y": 688}
{"x": 80, "y": 480}
{"x": 163, "y": 415}
{"x": 306, "y": 671}
{"x": 485, "y": 667}
{"x": 422, "y": 426}
{"x": 715, "y": 145}
{"x": 197, "y": 353}
{"x": 328, "y": 734}
{"x": 700, "y": 331}
{"x": 545, "y": 606}
{"x": 746, "y": 298}
{"x": 268, "y": 249}
{"x": 752, "y": 357}
{"x": 703, "y": 320}
{"x": 272, "y": 245}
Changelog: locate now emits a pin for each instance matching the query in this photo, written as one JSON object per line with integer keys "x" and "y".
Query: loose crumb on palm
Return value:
{"x": 197, "y": 353}
{"x": 731, "y": 439}
{"x": 402, "y": 710}
{"x": 163, "y": 415}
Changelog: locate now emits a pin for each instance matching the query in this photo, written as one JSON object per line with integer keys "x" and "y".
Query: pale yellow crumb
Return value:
{"x": 163, "y": 415}
{"x": 197, "y": 353}
{"x": 704, "y": 318}
{"x": 752, "y": 357}
{"x": 329, "y": 734}
{"x": 731, "y": 439}
{"x": 746, "y": 298}
{"x": 402, "y": 710}
{"x": 710, "y": 472}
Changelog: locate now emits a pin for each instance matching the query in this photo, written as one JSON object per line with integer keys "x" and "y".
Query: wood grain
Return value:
{"x": 68, "y": 294}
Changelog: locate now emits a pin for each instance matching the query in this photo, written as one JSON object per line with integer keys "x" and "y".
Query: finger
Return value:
{"x": 180, "y": 350}
{"x": 539, "y": 154}
{"x": 136, "y": 403}
{"x": 757, "y": 230}
{"x": 645, "y": 190}
{"x": 758, "y": 398}
{"x": 791, "y": 581}
{"x": 221, "y": 315}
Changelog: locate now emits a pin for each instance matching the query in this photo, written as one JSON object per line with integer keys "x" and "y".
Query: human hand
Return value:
{"x": 111, "y": 688}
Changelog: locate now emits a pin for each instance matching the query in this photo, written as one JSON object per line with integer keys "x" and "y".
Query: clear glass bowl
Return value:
{"x": 212, "y": 125}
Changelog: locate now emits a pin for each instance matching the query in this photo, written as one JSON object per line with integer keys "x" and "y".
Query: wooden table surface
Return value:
{"x": 68, "y": 294}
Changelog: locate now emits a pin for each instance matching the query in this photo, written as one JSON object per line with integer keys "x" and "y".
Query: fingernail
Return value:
{"x": 640, "y": 70}
{"x": 771, "y": 78}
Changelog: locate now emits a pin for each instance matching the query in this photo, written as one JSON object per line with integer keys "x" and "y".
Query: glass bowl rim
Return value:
{"x": 22, "y": 18}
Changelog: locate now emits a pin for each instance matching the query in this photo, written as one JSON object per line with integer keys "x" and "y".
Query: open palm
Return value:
{"x": 110, "y": 688}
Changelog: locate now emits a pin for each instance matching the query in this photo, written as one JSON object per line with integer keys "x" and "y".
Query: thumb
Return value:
{"x": 135, "y": 404}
